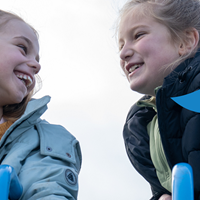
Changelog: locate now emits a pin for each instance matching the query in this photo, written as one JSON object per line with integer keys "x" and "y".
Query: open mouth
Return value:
{"x": 134, "y": 67}
{"x": 26, "y": 79}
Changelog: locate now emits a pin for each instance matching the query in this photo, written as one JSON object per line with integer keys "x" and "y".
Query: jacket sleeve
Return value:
{"x": 191, "y": 146}
{"x": 137, "y": 146}
{"x": 51, "y": 170}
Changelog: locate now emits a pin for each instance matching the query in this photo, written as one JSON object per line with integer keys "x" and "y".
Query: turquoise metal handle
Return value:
{"x": 9, "y": 183}
{"x": 182, "y": 182}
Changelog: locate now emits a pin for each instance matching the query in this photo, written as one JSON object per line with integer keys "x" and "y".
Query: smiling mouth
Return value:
{"x": 134, "y": 67}
{"x": 26, "y": 79}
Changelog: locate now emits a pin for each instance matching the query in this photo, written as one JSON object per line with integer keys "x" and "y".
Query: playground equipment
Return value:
{"x": 9, "y": 183}
{"x": 182, "y": 182}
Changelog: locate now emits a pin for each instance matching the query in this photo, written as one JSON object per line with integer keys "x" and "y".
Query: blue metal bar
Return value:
{"x": 182, "y": 182}
{"x": 9, "y": 183}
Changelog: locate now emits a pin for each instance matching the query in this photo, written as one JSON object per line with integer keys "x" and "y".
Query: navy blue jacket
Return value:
{"x": 179, "y": 127}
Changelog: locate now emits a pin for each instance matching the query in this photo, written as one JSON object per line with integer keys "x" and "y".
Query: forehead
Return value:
{"x": 17, "y": 28}
{"x": 136, "y": 12}
{"x": 134, "y": 21}
{"x": 135, "y": 16}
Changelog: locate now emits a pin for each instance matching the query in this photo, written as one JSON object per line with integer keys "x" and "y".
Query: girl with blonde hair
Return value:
{"x": 158, "y": 42}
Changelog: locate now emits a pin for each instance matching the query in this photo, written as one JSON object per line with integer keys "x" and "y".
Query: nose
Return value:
{"x": 126, "y": 53}
{"x": 34, "y": 64}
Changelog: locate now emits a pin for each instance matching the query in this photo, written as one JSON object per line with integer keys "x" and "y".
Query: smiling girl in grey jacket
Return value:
{"x": 46, "y": 157}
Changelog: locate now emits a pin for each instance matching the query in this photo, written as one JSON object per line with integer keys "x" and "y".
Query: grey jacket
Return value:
{"x": 46, "y": 157}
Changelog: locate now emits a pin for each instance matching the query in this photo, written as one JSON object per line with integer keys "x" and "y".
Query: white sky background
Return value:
{"x": 90, "y": 95}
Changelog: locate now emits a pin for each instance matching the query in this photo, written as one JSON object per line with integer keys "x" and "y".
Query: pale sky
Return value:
{"x": 90, "y": 95}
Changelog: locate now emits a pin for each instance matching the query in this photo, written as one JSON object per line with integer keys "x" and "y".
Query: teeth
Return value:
{"x": 30, "y": 81}
{"x": 134, "y": 67}
{"x": 26, "y": 79}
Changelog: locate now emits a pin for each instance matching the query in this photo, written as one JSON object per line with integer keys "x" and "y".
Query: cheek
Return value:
{"x": 122, "y": 64}
{"x": 160, "y": 53}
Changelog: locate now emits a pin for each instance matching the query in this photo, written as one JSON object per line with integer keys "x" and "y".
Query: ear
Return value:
{"x": 191, "y": 42}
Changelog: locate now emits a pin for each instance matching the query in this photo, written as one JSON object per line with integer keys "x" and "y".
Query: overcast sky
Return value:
{"x": 90, "y": 95}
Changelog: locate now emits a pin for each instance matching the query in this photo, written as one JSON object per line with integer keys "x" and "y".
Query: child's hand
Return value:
{"x": 165, "y": 197}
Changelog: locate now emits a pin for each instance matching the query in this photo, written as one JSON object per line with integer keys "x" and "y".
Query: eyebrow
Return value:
{"x": 133, "y": 29}
{"x": 29, "y": 43}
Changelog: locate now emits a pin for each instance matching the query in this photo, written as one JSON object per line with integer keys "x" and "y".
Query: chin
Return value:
{"x": 142, "y": 89}
{"x": 136, "y": 89}
{"x": 18, "y": 99}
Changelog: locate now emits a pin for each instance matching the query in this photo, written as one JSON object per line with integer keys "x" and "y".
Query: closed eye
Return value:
{"x": 138, "y": 35}
{"x": 24, "y": 48}
{"x": 121, "y": 47}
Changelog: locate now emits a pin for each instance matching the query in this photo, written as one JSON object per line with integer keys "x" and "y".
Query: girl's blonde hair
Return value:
{"x": 179, "y": 16}
{"x": 14, "y": 111}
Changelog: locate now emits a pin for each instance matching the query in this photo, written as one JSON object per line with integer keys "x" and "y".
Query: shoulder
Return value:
{"x": 137, "y": 111}
{"x": 136, "y": 123}
{"x": 58, "y": 142}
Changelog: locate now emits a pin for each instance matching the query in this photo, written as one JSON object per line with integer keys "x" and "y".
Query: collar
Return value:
{"x": 180, "y": 72}
{"x": 34, "y": 109}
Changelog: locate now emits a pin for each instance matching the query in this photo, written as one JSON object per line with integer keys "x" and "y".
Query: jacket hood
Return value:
{"x": 35, "y": 108}
{"x": 180, "y": 73}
